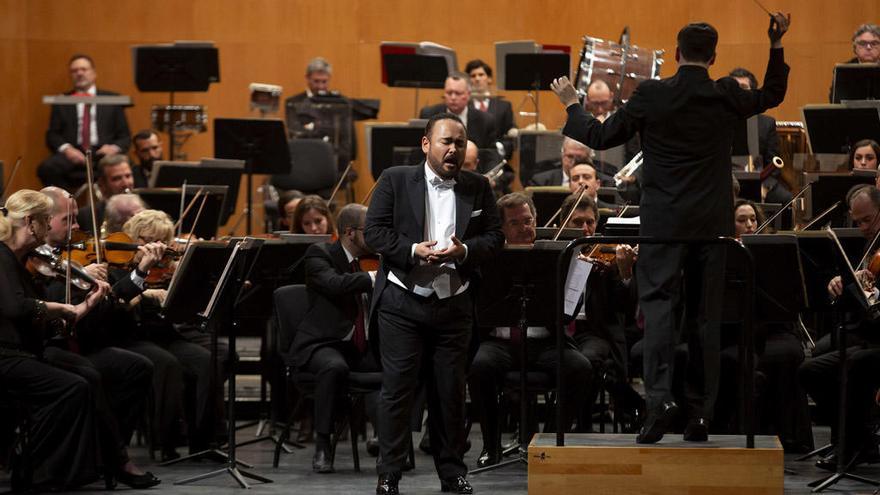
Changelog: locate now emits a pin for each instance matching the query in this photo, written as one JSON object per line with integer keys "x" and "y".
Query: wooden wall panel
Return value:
{"x": 271, "y": 41}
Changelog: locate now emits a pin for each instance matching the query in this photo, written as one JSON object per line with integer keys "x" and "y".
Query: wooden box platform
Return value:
{"x": 615, "y": 464}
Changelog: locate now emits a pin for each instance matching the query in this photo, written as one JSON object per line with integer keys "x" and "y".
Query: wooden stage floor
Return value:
{"x": 295, "y": 476}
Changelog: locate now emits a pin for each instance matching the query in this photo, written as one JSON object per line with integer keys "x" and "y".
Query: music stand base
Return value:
{"x": 217, "y": 455}
{"x": 237, "y": 474}
{"x": 287, "y": 446}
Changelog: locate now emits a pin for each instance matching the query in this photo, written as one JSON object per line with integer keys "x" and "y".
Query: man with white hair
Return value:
{"x": 572, "y": 152}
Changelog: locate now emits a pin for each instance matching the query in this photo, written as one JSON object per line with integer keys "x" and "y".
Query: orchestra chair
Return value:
{"x": 291, "y": 303}
{"x": 313, "y": 168}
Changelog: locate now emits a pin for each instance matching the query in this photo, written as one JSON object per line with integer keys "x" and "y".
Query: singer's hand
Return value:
{"x": 424, "y": 249}
{"x": 454, "y": 252}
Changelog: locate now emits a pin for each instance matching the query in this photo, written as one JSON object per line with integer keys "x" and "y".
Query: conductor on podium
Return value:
{"x": 686, "y": 126}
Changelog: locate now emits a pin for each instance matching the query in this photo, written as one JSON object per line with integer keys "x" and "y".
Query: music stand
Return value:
{"x": 207, "y": 172}
{"x": 547, "y": 233}
{"x": 833, "y": 129}
{"x": 416, "y": 65}
{"x": 222, "y": 309}
{"x": 547, "y": 200}
{"x": 855, "y": 82}
{"x": 167, "y": 199}
{"x": 851, "y": 306}
{"x": 749, "y": 185}
{"x": 534, "y": 72}
{"x": 178, "y": 67}
{"x": 830, "y": 187}
{"x": 261, "y": 143}
{"x": 383, "y": 138}
{"x": 524, "y": 277}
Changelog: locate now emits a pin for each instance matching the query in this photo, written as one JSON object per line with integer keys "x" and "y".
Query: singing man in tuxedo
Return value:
{"x": 332, "y": 337}
{"x": 686, "y": 126}
{"x": 456, "y": 95}
{"x": 433, "y": 224}
{"x": 74, "y": 129}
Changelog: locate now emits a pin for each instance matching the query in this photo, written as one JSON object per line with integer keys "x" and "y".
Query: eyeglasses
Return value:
{"x": 868, "y": 44}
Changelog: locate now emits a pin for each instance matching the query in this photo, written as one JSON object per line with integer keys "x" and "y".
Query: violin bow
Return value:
{"x": 8, "y": 185}
{"x": 96, "y": 234}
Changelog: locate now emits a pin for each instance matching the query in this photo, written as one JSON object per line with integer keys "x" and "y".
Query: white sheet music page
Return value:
{"x": 576, "y": 282}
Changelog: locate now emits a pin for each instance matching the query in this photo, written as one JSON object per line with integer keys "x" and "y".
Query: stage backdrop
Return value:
{"x": 271, "y": 41}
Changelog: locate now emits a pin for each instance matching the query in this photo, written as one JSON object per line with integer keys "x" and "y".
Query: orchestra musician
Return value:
{"x": 119, "y": 379}
{"x": 60, "y": 407}
{"x": 747, "y": 217}
{"x": 333, "y": 336}
{"x": 119, "y": 208}
{"x": 433, "y": 225}
{"x": 499, "y": 352}
{"x": 148, "y": 149}
{"x": 819, "y": 374}
{"x": 312, "y": 216}
{"x": 866, "y": 45}
{"x": 863, "y": 155}
{"x": 114, "y": 177}
{"x": 72, "y": 131}
{"x": 572, "y": 152}
{"x": 481, "y": 97}
{"x": 584, "y": 173}
{"x": 287, "y": 201}
{"x": 685, "y": 124}
{"x": 456, "y": 95}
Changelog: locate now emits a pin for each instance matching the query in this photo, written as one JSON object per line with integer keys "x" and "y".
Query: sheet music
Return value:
{"x": 576, "y": 282}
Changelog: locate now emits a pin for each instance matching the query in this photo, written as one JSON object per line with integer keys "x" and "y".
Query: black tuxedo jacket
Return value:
{"x": 502, "y": 113}
{"x": 396, "y": 221}
{"x": 480, "y": 127}
{"x": 332, "y": 291}
{"x": 551, "y": 177}
{"x": 112, "y": 125}
{"x": 686, "y": 126}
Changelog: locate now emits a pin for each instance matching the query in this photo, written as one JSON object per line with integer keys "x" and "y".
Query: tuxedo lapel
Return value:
{"x": 337, "y": 254}
{"x": 416, "y": 190}
{"x": 464, "y": 206}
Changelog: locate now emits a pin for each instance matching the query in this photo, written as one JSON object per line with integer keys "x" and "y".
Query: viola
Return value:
{"x": 43, "y": 261}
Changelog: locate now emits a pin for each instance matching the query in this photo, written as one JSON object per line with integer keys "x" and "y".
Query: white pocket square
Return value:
{"x": 476, "y": 213}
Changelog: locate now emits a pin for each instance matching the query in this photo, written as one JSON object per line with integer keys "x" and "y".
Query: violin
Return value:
{"x": 45, "y": 262}
{"x": 369, "y": 262}
{"x": 117, "y": 249}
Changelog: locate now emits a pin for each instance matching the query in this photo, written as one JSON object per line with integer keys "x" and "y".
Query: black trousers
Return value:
{"x": 663, "y": 272}
{"x": 119, "y": 381}
{"x": 820, "y": 378}
{"x": 432, "y": 335}
{"x": 57, "y": 170}
{"x": 496, "y": 357}
{"x": 330, "y": 365}
{"x": 62, "y": 433}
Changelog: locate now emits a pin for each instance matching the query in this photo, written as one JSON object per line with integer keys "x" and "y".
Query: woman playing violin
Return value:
{"x": 62, "y": 435}
{"x": 747, "y": 217}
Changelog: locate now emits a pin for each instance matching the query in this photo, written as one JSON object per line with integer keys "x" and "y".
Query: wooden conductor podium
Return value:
{"x": 606, "y": 464}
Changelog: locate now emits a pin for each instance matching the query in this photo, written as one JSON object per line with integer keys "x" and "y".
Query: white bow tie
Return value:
{"x": 442, "y": 184}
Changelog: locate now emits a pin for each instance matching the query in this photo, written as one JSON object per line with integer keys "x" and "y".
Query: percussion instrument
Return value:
{"x": 179, "y": 118}
{"x": 621, "y": 66}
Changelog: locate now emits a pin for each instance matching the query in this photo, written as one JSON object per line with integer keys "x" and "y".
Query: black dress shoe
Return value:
{"x": 658, "y": 423}
{"x": 697, "y": 430}
{"x": 828, "y": 463}
{"x": 488, "y": 459}
{"x": 322, "y": 462}
{"x": 138, "y": 481}
{"x": 387, "y": 484}
{"x": 456, "y": 485}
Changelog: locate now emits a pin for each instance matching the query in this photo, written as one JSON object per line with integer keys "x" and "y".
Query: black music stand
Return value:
{"x": 534, "y": 72}
{"x": 548, "y": 200}
{"x": 261, "y": 143}
{"x": 167, "y": 199}
{"x": 831, "y": 187}
{"x": 190, "y": 290}
{"x": 222, "y": 311}
{"x": 383, "y": 139}
{"x": 186, "y": 67}
{"x": 749, "y": 185}
{"x": 855, "y": 82}
{"x": 833, "y": 129}
{"x": 207, "y": 172}
{"x": 414, "y": 70}
{"x": 849, "y": 308}
{"x": 522, "y": 276}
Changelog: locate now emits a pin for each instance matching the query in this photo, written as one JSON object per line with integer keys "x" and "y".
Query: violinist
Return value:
{"x": 499, "y": 352}
{"x": 312, "y": 216}
{"x": 333, "y": 336}
{"x": 585, "y": 174}
{"x": 599, "y": 331}
{"x": 62, "y": 434}
{"x": 183, "y": 368}
{"x": 120, "y": 401}
{"x": 114, "y": 177}
{"x": 819, "y": 375}
{"x": 863, "y": 155}
{"x": 119, "y": 208}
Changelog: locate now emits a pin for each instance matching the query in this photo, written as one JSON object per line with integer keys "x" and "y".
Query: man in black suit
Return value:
{"x": 572, "y": 152}
{"x": 434, "y": 225}
{"x": 500, "y": 109}
{"x": 686, "y": 127}
{"x": 332, "y": 337}
{"x": 456, "y": 95}
{"x": 768, "y": 142}
{"x": 148, "y": 148}
{"x": 114, "y": 177}
{"x": 102, "y": 129}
